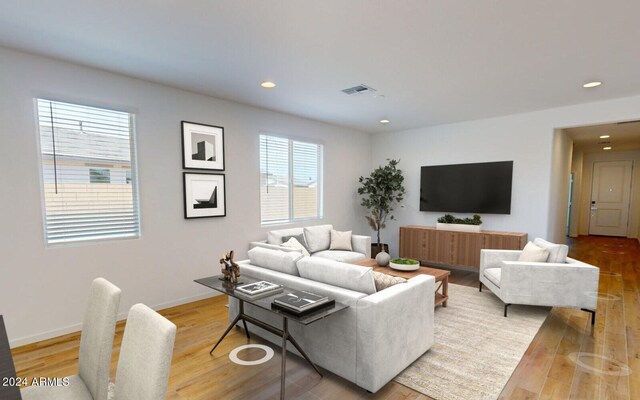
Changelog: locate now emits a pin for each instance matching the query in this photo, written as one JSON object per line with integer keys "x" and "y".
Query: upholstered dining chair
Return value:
{"x": 96, "y": 341}
{"x": 557, "y": 281}
{"x": 145, "y": 356}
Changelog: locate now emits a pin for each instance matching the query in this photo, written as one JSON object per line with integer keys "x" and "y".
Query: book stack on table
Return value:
{"x": 258, "y": 289}
{"x": 301, "y": 302}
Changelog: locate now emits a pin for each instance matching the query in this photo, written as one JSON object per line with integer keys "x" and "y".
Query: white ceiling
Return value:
{"x": 623, "y": 136}
{"x": 434, "y": 61}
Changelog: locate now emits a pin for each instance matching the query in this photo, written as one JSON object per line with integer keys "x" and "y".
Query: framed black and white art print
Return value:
{"x": 202, "y": 146}
{"x": 204, "y": 195}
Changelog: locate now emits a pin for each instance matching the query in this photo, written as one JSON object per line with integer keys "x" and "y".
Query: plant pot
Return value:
{"x": 377, "y": 248}
{"x": 459, "y": 227}
{"x": 405, "y": 267}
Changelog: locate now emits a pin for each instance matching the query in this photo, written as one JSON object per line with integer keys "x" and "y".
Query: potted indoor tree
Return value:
{"x": 381, "y": 191}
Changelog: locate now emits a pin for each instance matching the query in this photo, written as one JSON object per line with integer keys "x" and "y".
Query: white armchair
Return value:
{"x": 556, "y": 284}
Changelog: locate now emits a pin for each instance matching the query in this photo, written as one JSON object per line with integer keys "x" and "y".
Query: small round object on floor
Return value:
{"x": 382, "y": 259}
{"x": 233, "y": 356}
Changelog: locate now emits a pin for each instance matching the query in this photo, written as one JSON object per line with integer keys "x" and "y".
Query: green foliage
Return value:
{"x": 450, "y": 219}
{"x": 405, "y": 261}
{"x": 381, "y": 191}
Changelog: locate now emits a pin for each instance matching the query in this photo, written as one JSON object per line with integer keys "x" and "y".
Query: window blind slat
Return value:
{"x": 89, "y": 174}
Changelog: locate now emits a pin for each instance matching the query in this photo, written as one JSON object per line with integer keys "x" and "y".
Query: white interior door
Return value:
{"x": 610, "y": 195}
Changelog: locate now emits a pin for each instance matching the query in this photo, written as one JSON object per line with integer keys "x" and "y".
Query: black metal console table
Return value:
{"x": 228, "y": 288}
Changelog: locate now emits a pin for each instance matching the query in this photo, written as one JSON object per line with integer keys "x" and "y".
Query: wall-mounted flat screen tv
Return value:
{"x": 483, "y": 188}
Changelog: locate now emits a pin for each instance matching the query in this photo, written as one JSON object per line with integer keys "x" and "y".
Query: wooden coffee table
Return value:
{"x": 441, "y": 275}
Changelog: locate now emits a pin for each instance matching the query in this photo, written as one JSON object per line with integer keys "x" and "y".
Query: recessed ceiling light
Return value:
{"x": 606, "y": 148}
{"x": 268, "y": 85}
{"x": 605, "y": 136}
{"x": 592, "y": 84}
{"x": 384, "y": 121}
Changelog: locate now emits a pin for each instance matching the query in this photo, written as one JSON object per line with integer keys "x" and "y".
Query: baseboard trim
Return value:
{"x": 121, "y": 317}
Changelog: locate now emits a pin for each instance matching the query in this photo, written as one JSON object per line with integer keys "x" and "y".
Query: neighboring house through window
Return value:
{"x": 99, "y": 175}
{"x": 290, "y": 180}
{"x": 88, "y": 165}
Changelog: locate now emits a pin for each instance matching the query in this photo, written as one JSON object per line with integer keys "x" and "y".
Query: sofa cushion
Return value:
{"x": 318, "y": 237}
{"x": 340, "y": 240}
{"x": 293, "y": 243}
{"x": 340, "y": 255}
{"x": 300, "y": 238}
{"x": 557, "y": 252}
{"x": 276, "y": 260}
{"x": 383, "y": 281}
{"x": 275, "y": 237}
{"x": 493, "y": 275}
{"x": 533, "y": 253}
{"x": 347, "y": 276}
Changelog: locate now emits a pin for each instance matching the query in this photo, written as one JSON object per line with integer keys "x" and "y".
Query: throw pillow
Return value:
{"x": 294, "y": 244}
{"x": 340, "y": 240}
{"x": 275, "y": 236}
{"x": 533, "y": 253}
{"x": 318, "y": 237}
{"x": 557, "y": 252}
{"x": 300, "y": 238}
{"x": 384, "y": 281}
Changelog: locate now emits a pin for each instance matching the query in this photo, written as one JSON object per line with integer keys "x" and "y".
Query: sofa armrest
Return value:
{"x": 571, "y": 284}
{"x": 361, "y": 244}
{"x": 263, "y": 243}
{"x": 494, "y": 258}
{"x": 395, "y": 321}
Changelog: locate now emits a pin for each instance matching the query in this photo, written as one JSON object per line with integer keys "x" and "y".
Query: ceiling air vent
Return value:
{"x": 360, "y": 89}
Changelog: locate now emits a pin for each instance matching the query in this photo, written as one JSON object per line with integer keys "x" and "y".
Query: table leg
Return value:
{"x": 445, "y": 290}
{"x": 297, "y": 346}
{"x": 285, "y": 334}
{"x": 246, "y": 330}
{"x": 235, "y": 321}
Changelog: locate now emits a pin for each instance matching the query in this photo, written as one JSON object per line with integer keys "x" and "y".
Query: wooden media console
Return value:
{"x": 459, "y": 249}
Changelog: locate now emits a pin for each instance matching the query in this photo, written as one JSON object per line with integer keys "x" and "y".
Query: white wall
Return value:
{"x": 585, "y": 194}
{"x": 560, "y": 179}
{"x": 43, "y": 290}
{"x": 527, "y": 139}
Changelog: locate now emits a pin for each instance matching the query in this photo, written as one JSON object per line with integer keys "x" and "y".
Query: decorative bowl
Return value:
{"x": 404, "y": 264}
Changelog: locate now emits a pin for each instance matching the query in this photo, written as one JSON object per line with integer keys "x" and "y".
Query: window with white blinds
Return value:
{"x": 88, "y": 173}
{"x": 290, "y": 180}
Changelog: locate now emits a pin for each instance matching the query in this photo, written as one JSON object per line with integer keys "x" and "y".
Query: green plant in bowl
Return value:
{"x": 405, "y": 261}
{"x": 404, "y": 264}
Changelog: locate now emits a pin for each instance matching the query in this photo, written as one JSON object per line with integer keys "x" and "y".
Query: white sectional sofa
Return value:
{"x": 318, "y": 239}
{"x": 370, "y": 342}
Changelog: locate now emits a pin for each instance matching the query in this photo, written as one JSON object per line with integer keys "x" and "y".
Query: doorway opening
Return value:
{"x": 597, "y": 168}
{"x": 610, "y": 198}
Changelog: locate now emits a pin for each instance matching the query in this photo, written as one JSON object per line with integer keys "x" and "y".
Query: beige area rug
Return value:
{"x": 476, "y": 349}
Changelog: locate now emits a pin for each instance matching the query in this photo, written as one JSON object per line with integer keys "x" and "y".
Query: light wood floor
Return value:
{"x": 546, "y": 371}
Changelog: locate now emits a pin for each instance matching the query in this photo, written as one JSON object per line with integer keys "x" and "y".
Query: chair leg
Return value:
{"x": 481, "y": 286}
{"x": 505, "y": 309}
{"x": 593, "y": 315}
